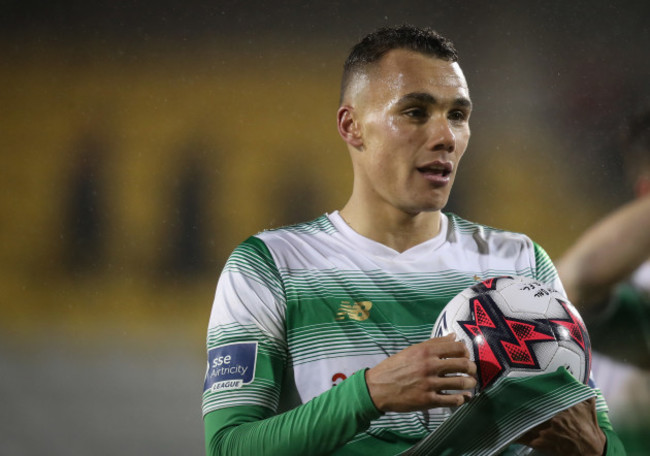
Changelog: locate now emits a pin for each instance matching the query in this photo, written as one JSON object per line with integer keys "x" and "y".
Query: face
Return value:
{"x": 408, "y": 127}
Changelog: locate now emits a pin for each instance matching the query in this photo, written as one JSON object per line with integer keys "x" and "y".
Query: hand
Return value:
{"x": 416, "y": 378}
{"x": 574, "y": 431}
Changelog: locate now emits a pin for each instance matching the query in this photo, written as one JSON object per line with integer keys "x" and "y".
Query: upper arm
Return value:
{"x": 246, "y": 351}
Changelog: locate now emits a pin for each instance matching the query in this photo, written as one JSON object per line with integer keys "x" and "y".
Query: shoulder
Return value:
{"x": 319, "y": 226}
{"x": 486, "y": 237}
{"x": 264, "y": 240}
{"x": 504, "y": 246}
{"x": 301, "y": 235}
{"x": 273, "y": 246}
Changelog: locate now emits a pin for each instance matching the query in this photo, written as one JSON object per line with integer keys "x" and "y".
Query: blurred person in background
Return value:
{"x": 319, "y": 337}
{"x": 606, "y": 274}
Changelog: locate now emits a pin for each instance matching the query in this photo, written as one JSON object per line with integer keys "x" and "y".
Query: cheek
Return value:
{"x": 383, "y": 164}
{"x": 385, "y": 171}
{"x": 461, "y": 154}
{"x": 463, "y": 139}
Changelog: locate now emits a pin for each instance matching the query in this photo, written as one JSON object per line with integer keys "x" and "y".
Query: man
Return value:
{"x": 318, "y": 341}
{"x": 606, "y": 273}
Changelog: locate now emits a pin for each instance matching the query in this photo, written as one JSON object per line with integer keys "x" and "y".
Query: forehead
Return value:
{"x": 402, "y": 71}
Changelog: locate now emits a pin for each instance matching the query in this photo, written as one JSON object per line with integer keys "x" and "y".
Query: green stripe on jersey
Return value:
{"x": 463, "y": 226}
{"x": 253, "y": 260}
{"x": 321, "y": 224}
{"x": 546, "y": 271}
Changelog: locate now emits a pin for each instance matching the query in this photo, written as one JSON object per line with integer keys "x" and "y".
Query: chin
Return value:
{"x": 433, "y": 206}
{"x": 424, "y": 209}
{"x": 423, "y": 205}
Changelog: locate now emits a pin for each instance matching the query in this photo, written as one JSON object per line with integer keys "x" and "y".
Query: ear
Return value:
{"x": 348, "y": 126}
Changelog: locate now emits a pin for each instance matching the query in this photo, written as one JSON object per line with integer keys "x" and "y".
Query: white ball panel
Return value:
{"x": 571, "y": 360}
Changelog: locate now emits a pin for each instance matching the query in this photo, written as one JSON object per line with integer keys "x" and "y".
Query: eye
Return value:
{"x": 416, "y": 113}
{"x": 457, "y": 116}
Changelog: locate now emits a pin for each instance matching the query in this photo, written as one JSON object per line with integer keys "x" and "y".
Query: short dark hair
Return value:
{"x": 374, "y": 45}
{"x": 635, "y": 144}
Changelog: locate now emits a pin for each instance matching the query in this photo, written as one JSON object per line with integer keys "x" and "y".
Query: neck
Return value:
{"x": 393, "y": 228}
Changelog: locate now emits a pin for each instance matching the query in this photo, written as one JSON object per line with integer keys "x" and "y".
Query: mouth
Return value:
{"x": 437, "y": 169}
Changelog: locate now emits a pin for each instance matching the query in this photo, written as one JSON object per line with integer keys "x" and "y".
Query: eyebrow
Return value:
{"x": 425, "y": 97}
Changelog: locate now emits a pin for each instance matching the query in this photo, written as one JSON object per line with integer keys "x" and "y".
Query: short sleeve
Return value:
{"x": 246, "y": 348}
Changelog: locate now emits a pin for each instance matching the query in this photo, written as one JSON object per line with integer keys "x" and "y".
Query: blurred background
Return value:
{"x": 141, "y": 141}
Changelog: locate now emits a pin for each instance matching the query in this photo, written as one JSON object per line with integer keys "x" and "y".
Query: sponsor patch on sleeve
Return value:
{"x": 230, "y": 366}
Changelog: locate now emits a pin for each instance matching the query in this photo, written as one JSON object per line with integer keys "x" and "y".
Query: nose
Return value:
{"x": 442, "y": 136}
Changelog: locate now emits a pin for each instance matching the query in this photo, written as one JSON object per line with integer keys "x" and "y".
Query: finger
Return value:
{"x": 545, "y": 443}
{"x": 449, "y": 400}
{"x": 534, "y": 433}
{"x": 591, "y": 403}
{"x": 446, "y": 337}
{"x": 453, "y": 383}
{"x": 528, "y": 437}
{"x": 537, "y": 442}
{"x": 447, "y": 348}
{"x": 457, "y": 366}
{"x": 442, "y": 340}
{"x": 432, "y": 365}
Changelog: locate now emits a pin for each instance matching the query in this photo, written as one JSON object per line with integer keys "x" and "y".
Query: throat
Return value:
{"x": 399, "y": 233}
{"x": 403, "y": 240}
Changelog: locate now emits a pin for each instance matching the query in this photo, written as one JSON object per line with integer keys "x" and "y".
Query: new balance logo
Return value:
{"x": 357, "y": 311}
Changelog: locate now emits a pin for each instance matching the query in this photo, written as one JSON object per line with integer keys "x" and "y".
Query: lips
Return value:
{"x": 437, "y": 168}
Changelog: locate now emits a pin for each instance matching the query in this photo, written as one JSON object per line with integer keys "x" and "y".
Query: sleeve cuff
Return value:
{"x": 366, "y": 406}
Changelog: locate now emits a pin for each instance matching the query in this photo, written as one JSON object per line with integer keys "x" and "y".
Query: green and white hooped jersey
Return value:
{"x": 301, "y": 308}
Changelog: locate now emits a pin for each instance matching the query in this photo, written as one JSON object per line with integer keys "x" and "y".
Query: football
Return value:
{"x": 516, "y": 327}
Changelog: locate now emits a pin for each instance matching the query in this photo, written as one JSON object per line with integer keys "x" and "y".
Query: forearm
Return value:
{"x": 607, "y": 252}
{"x": 317, "y": 427}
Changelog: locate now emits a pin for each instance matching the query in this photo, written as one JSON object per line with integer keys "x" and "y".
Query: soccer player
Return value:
{"x": 319, "y": 338}
{"x": 606, "y": 273}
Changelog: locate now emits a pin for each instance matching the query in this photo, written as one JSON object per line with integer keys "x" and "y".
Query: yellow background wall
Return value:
{"x": 263, "y": 131}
